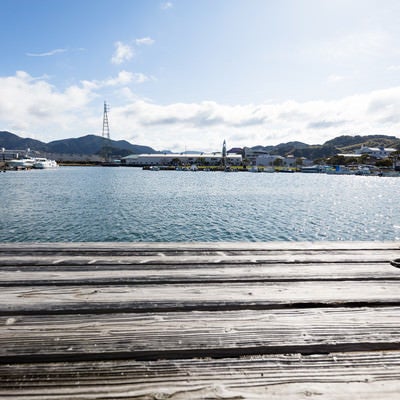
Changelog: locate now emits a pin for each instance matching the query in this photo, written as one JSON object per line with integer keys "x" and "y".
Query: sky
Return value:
{"x": 188, "y": 74}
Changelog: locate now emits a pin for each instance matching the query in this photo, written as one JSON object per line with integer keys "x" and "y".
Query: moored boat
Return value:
{"x": 312, "y": 169}
{"x": 44, "y": 163}
{"x": 20, "y": 163}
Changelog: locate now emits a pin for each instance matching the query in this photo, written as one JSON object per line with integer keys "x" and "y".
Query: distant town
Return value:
{"x": 365, "y": 159}
{"x": 363, "y": 155}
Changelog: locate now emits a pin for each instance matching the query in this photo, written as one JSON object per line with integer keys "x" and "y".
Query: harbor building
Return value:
{"x": 170, "y": 159}
{"x": 269, "y": 160}
{"x": 376, "y": 152}
{"x": 251, "y": 154}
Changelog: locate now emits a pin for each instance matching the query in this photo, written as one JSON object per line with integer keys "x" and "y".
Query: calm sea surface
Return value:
{"x": 127, "y": 204}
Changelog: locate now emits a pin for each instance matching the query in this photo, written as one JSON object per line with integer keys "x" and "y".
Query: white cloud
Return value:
{"x": 144, "y": 41}
{"x": 123, "y": 78}
{"x": 47, "y": 54}
{"x": 204, "y": 125}
{"x": 123, "y": 52}
{"x": 166, "y": 5}
{"x": 394, "y": 68}
{"x": 31, "y": 105}
{"x": 138, "y": 77}
{"x": 335, "y": 78}
{"x": 355, "y": 44}
{"x": 127, "y": 94}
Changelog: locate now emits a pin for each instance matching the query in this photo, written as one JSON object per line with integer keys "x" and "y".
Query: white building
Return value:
{"x": 251, "y": 154}
{"x": 268, "y": 160}
{"x": 141, "y": 160}
{"x": 376, "y": 152}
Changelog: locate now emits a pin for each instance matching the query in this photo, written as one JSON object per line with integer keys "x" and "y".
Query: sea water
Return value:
{"x": 81, "y": 204}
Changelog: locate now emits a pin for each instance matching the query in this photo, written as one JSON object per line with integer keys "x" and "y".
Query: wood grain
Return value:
{"x": 173, "y": 297}
{"x": 365, "y": 375}
{"x": 29, "y": 275}
{"x": 271, "y": 320}
{"x": 198, "y": 334}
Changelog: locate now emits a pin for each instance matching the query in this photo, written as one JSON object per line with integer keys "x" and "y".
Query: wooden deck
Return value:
{"x": 200, "y": 321}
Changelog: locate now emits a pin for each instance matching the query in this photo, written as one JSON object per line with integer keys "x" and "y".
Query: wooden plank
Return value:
{"x": 367, "y": 375}
{"x": 384, "y": 256}
{"x": 54, "y": 252}
{"x": 145, "y": 298}
{"x": 148, "y": 274}
{"x": 158, "y": 320}
{"x": 198, "y": 334}
{"x": 198, "y": 246}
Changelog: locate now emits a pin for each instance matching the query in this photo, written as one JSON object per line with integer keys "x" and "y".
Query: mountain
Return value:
{"x": 282, "y": 148}
{"x": 9, "y": 140}
{"x": 92, "y": 144}
{"x": 350, "y": 143}
{"x": 85, "y": 145}
{"x": 341, "y": 144}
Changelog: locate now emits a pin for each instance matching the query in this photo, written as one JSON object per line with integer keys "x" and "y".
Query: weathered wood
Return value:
{"x": 198, "y": 334}
{"x": 199, "y": 320}
{"x": 366, "y": 375}
{"x": 271, "y": 257}
{"x": 147, "y": 298}
{"x": 198, "y": 246}
{"x": 186, "y": 253}
{"x": 139, "y": 274}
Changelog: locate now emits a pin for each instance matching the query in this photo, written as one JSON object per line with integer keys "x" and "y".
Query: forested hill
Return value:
{"x": 93, "y": 145}
{"x": 340, "y": 144}
{"x": 85, "y": 145}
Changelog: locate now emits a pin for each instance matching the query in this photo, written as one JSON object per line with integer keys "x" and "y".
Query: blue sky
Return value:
{"x": 187, "y": 74}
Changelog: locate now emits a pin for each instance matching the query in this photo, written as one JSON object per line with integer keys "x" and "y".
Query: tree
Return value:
{"x": 202, "y": 161}
{"x": 245, "y": 162}
{"x": 176, "y": 162}
{"x": 336, "y": 160}
{"x": 386, "y": 162}
{"x": 365, "y": 158}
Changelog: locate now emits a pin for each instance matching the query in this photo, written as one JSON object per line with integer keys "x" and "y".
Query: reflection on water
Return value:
{"x": 128, "y": 204}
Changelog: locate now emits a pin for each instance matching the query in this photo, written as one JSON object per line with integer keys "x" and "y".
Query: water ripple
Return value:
{"x": 127, "y": 204}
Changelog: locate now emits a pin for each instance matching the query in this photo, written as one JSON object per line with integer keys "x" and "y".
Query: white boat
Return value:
{"x": 268, "y": 169}
{"x": 312, "y": 169}
{"x": 21, "y": 163}
{"x": 44, "y": 163}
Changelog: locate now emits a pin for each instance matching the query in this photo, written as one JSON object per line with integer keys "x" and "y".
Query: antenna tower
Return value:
{"x": 106, "y": 127}
{"x": 106, "y": 133}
